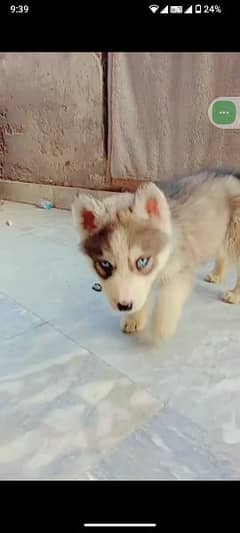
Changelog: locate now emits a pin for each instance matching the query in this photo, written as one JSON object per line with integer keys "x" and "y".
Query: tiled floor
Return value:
{"x": 80, "y": 400}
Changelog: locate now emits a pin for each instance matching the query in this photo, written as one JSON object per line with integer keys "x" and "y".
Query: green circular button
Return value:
{"x": 224, "y": 112}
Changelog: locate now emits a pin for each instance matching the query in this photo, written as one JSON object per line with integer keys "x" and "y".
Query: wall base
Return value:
{"x": 31, "y": 193}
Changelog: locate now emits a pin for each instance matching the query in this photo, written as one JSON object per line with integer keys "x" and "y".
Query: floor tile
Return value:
{"x": 61, "y": 407}
{"x": 169, "y": 447}
{"x": 15, "y": 319}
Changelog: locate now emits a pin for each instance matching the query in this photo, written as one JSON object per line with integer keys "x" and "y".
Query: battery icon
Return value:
{"x": 198, "y": 8}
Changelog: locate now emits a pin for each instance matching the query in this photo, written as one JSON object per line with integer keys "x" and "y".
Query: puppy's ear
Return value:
{"x": 150, "y": 203}
{"x": 88, "y": 214}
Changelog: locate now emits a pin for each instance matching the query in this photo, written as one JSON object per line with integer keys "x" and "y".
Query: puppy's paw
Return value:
{"x": 231, "y": 297}
{"x": 213, "y": 278}
{"x": 133, "y": 325}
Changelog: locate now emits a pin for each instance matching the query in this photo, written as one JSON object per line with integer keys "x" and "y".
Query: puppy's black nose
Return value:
{"x": 124, "y": 307}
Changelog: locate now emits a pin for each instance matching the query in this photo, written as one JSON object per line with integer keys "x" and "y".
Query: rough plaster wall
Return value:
{"x": 51, "y": 118}
{"x": 159, "y": 113}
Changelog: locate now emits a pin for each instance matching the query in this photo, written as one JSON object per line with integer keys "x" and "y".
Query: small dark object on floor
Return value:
{"x": 97, "y": 287}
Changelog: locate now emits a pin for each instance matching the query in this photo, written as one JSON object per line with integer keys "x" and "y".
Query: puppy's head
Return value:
{"x": 128, "y": 241}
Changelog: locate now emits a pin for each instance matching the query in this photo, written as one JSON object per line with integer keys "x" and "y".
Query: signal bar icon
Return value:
{"x": 189, "y": 11}
{"x": 164, "y": 11}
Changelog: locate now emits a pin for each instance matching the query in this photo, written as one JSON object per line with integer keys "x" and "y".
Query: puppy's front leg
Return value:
{"x": 168, "y": 308}
{"x": 135, "y": 322}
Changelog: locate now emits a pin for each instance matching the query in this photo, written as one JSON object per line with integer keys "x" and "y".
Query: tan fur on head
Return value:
{"x": 148, "y": 203}
{"x": 151, "y": 203}
{"x": 83, "y": 205}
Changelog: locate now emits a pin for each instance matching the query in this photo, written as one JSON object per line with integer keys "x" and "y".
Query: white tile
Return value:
{"x": 61, "y": 407}
{"x": 41, "y": 275}
{"x": 169, "y": 447}
{"x": 15, "y": 319}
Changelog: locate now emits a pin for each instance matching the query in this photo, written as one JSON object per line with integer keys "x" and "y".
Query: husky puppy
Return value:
{"x": 161, "y": 234}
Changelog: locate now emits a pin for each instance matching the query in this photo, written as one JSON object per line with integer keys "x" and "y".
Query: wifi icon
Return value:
{"x": 154, "y": 8}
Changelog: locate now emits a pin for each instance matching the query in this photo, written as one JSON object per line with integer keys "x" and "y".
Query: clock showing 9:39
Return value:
{"x": 19, "y": 9}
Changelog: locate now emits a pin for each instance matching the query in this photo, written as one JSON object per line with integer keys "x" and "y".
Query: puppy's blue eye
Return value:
{"x": 105, "y": 265}
{"x": 142, "y": 262}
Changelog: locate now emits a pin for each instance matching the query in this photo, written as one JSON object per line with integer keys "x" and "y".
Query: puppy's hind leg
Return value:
{"x": 233, "y": 246}
{"x": 233, "y": 297}
{"x": 220, "y": 270}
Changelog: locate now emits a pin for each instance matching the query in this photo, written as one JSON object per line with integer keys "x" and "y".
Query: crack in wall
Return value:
{"x": 105, "y": 101}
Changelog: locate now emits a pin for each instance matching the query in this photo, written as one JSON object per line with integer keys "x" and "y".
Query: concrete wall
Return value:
{"x": 159, "y": 113}
{"x": 51, "y": 118}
